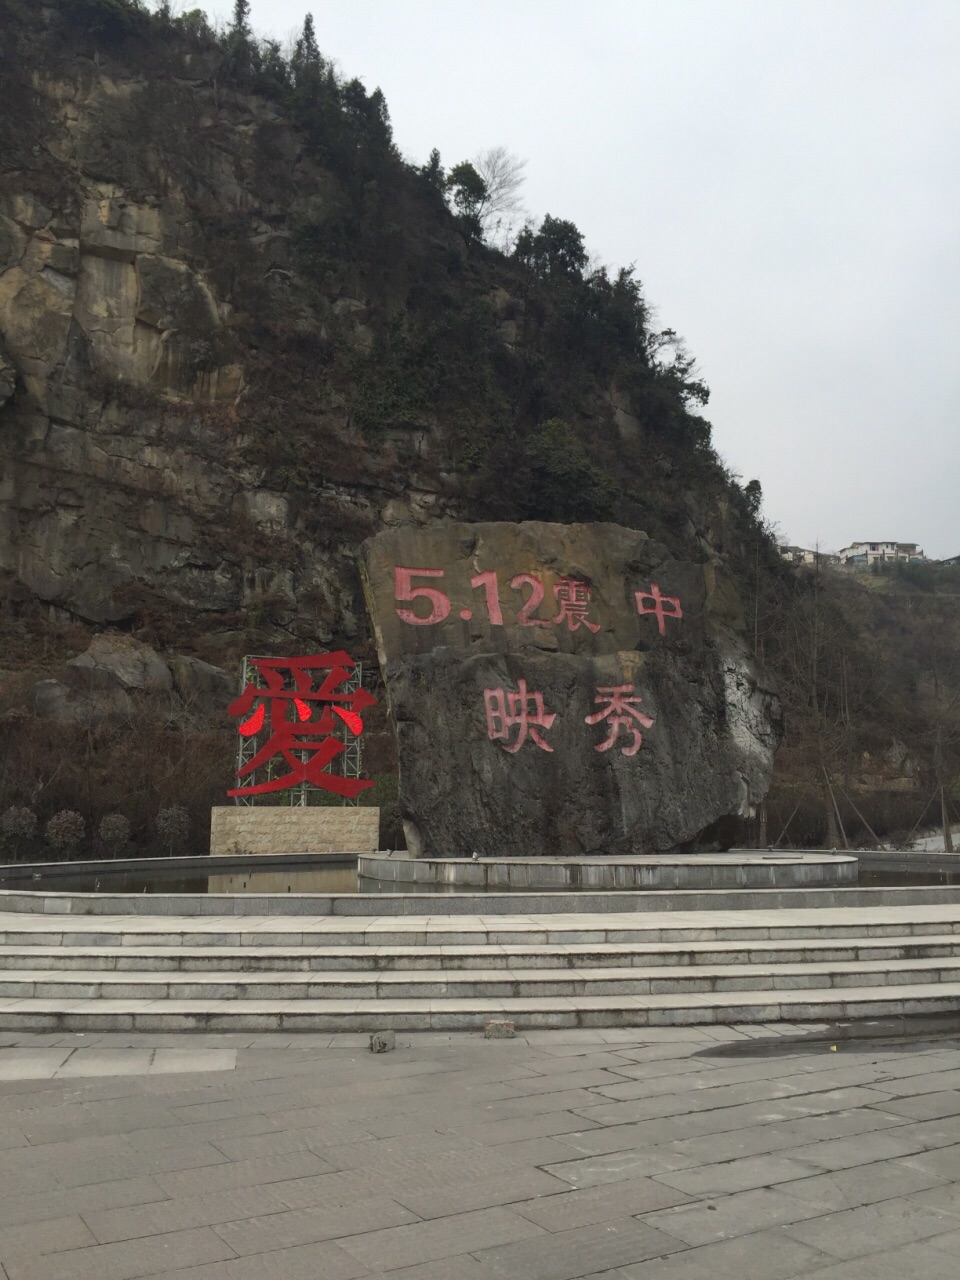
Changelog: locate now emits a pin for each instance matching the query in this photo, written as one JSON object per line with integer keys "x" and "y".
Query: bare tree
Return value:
{"x": 502, "y": 209}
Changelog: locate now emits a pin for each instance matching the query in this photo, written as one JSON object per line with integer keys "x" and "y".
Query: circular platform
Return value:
{"x": 743, "y": 869}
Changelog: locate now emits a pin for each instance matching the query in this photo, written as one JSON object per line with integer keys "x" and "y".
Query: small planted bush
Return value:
{"x": 65, "y": 831}
{"x": 18, "y": 827}
{"x": 173, "y": 827}
{"x": 114, "y": 832}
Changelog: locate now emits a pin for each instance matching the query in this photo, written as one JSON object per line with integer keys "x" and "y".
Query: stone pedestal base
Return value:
{"x": 281, "y": 829}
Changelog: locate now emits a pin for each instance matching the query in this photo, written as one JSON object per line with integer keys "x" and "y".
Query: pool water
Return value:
{"x": 330, "y": 877}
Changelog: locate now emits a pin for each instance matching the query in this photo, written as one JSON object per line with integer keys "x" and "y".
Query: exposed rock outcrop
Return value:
{"x": 107, "y": 682}
{"x": 134, "y": 664}
{"x": 565, "y": 690}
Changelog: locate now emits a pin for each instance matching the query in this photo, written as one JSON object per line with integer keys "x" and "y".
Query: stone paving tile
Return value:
{"x": 124, "y": 1261}
{"x": 735, "y": 1113}
{"x": 554, "y": 1081}
{"x": 461, "y": 1267}
{"x": 618, "y": 1166}
{"x": 200, "y": 1159}
{"x": 922, "y": 1260}
{"x": 119, "y": 1194}
{"x": 865, "y": 1184}
{"x": 769, "y": 1254}
{"x": 942, "y": 1161}
{"x": 582, "y": 1208}
{"x": 871, "y": 1228}
{"x": 942, "y": 1199}
{"x": 733, "y": 1144}
{"x": 537, "y": 1103}
{"x": 546, "y": 1124}
{"x": 840, "y": 1124}
{"x": 929, "y": 1082}
{"x": 158, "y": 1138}
{"x": 107, "y": 1062}
{"x": 325, "y": 1261}
{"x": 949, "y": 1243}
{"x": 262, "y": 1234}
{"x": 51, "y": 1236}
{"x": 732, "y": 1215}
{"x": 441, "y": 1238}
{"x": 568, "y": 1254}
{"x": 27, "y": 1064}
{"x": 677, "y": 1266}
{"x": 863, "y": 1148}
{"x": 730, "y": 1176}
{"x": 944, "y": 1131}
{"x": 283, "y": 1141}
{"x": 462, "y": 1195}
{"x": 155, "y": 1219}
{"x": 925, "y": 1106}
{"x": 242, "y": 1173}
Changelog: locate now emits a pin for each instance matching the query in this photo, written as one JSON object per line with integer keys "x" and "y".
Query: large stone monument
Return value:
{"x": 564, "y": 690}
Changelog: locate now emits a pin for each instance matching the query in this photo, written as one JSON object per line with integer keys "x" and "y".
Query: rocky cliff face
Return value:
{"x": 129, "y": 477}
{"x": 205, "y": 394}
{"x": 238, "y": 335}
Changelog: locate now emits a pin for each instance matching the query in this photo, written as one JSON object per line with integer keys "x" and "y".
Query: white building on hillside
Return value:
{"x": 803, "y": 555}
{"x": 871, "y": 552}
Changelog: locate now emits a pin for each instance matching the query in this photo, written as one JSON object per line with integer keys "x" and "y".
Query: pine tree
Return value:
{"x": 241, "y": 20}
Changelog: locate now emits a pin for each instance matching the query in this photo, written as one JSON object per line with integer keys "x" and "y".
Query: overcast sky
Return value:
{"x": 785, "y": 174}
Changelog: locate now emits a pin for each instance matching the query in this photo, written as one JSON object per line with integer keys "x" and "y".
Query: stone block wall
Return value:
{"x": 280, "y": 829}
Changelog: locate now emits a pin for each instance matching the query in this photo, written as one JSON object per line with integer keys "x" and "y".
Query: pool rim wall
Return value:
{"x": 737, "y": 869}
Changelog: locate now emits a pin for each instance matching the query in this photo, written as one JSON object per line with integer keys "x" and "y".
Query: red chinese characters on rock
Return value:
{"x": 572, "y": 596}
{"x": 302, "y": 721}
{"x": 573, "y": 599}
{"x": 523, "y": 711}
{"x": 662, "y": 607}
{"x": 622, "y": 713}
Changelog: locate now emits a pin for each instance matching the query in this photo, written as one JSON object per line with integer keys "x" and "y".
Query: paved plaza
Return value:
{"x": 669, "y": 1154}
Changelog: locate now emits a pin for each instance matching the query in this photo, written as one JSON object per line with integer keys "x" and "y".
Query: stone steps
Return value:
{"x": 474, "y": 984}
{"x": 295, "y": 959}
{"x": 469, "y": 1014}
{"x": 457, "y": 930}
{"x": 644, "y": 968}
